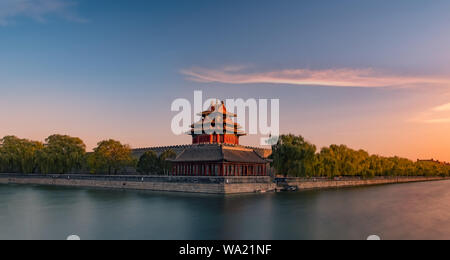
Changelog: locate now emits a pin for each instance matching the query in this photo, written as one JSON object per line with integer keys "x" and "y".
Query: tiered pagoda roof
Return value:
{"x": 216, "y": 120}
{"x": 219, "y": 153}
{"x": 178, "y": 149}
{"x": 215, "y": 149}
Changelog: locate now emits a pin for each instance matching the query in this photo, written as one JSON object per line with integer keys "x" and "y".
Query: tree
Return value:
{"x": 62, "y": 154}
{"x": 148, "y": 163}
{"x": 293, "y": 156}
{"x": 165, "y": 160}
{"x": 110, "y": 157}
{"x": 151, "y": 163}
{"x": 19, "y": 155}
{"x": 329, "y": 163}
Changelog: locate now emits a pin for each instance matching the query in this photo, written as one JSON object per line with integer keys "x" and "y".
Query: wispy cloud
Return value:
{"x": 445, "y": 107}
{"x": 306, "y": 77}
{"x": 435, "y": 115}
{"x": 437, "y": 120}
{"x": 38, "y": 10}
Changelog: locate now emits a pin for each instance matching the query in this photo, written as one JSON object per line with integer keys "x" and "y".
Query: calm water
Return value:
{"x": 405, "y": 211}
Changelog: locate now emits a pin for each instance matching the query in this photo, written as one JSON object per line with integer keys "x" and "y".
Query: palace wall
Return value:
{"x": 325, "y": 183}
{"x": 209, "y": 185}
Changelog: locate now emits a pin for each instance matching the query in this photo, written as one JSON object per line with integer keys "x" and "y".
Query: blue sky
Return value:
{"x": 111, "y": 68}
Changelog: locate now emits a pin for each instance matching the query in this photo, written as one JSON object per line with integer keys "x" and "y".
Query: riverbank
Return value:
{"x": 208, "y": 185}
{"x": 298, "y": 184}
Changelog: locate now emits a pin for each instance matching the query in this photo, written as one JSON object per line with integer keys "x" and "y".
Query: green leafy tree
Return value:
{"x": 329, "y": 163}
{"x": 110, "y": 157}
{"x": 293, "y": 156}
{"x": 150, "y": 162}
{"x": 165, "y": 160}
{"x": 19, "y": 155}
{"x": 62, "y": 154}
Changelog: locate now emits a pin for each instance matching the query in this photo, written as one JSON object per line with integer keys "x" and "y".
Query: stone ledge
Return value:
{"x": 209, "y": 188}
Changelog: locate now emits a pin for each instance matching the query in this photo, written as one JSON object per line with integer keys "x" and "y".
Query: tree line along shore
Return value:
{"x": 295, "y": 157}
{"x": 62, "y": 154}
{"x": 292, "y": 156}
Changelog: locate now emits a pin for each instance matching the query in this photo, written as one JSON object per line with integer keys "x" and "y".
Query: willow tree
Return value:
{"x": 62, "y": 154}
{"x": 293, "y": 156}
{"x": 19, "y": 155}
{"x": 328, "y": 163}
{"x": 110, "y": 157}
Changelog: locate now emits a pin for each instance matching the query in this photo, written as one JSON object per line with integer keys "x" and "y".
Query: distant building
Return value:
{"x": 215, "y": 149}
{"x": 434, "y": 161}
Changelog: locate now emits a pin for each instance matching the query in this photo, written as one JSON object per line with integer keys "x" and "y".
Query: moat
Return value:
{"x": 402, "y": 211}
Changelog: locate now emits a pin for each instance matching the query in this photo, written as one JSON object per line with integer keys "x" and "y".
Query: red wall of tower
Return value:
{"x": 215, "y": 139}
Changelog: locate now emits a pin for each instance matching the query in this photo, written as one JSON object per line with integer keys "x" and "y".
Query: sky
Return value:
{"x": 373, "y": 75}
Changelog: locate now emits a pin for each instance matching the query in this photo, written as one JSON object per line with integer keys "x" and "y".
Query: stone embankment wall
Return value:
{"x": 324, "y": 183}
{"x": 210, "y": 185}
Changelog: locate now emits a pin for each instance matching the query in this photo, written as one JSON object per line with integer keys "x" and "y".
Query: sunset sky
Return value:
{"x": 370, "y": 74}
